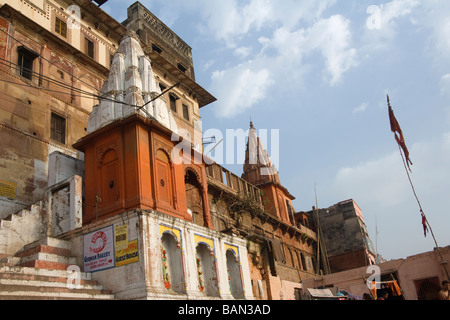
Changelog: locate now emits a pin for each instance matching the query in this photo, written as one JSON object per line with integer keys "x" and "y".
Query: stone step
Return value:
{"x": 40, "y": 264}
{"x": 51, "y": 242}
{"x": 47, "y": 253}
{"x": 42, "y": 272}
{"x": 44, "y": 249}
{"x": 48, "y": 281}
{"x": 57, "y": 291}
{"x": 7, "y": 292}
{"x": 49, "y": 257}
{"x": 50, "y": 286}
{"x": 48, "y": 289}
{"x": 32, "y": 283}
{"x": 12, "y": 297}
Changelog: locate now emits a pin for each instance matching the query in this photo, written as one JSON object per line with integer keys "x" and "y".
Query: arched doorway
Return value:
{"x": 164, "y": 179}
{"x": 234, "y": 275}
{"x": 194, "y": 197}
{"x": 172, "y": 264}
{"x": 109, "y": 190}
{"x": 206, "y": 269}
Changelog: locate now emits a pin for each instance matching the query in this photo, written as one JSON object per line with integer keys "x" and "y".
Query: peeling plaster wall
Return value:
{"x": 60, "y": 212}
{"x": 23, "y": 228}
{"x": 65, "y": 206}
{"x": 144, "y": 279}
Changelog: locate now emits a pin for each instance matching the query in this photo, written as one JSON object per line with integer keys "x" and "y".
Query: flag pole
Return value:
{"x": 424, "y": 218}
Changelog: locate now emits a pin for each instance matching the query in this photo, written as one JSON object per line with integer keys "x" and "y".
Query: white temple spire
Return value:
{"x": 131, "y": 85}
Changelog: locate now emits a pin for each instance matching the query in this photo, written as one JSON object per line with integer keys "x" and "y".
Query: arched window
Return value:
{"x": 282, "y": 208}
{"x": 290, "y": 212}
{"x": 291, "y": 258}
{"x": 298, "y": 260}
{"x": 172, "y": 264}
{"x": 302, "y": 256}
{"x": 206, "y": 269}
{"x": 234, "y": 275}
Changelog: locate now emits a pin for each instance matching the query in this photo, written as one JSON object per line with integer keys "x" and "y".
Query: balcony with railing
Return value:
{"x": 224, "y": 179}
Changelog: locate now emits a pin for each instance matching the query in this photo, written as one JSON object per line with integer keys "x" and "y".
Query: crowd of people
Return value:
{"x": 384, "y": 295}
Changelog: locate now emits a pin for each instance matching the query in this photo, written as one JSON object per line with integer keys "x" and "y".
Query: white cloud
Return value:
{"x": 391, "y": 11}
{"x": 361, "y": 108}
{"x": 382, "y": 183}
{"x": 330, "y": 37}
{"x": 208, "y": 65}
{"x": 445, "y": 84}
{"x": 431, "y": 16}
{"x": 230, "y": 20}
{"x": 378, "y": 182}
{"x": 227, "y": 20}
{"x": 434, "y": 15}
{"x": 242, "y": 52}
{"x": 283, "y": 58}
{"x": 239, "y": 88}
{"x": 333, "y": 38}
{"x": 382, "y": 24}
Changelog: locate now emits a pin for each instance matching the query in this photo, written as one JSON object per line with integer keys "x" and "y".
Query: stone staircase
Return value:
{"x": 45, "y": 270}
{"x": 22, "y": 227}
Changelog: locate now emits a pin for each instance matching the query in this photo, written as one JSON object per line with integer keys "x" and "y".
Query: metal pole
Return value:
{"x": 423, "y": 213}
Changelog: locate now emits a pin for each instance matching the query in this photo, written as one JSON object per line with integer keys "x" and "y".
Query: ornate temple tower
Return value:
{"x": 259, "y": 171}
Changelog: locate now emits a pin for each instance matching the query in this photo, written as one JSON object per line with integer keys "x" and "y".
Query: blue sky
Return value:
{"x": 319, "y": 71}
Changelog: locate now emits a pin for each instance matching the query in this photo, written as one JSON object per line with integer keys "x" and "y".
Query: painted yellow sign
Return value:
{"x": 128, "y": 255}
{"x": 8, "y": 189}
{"x": 121, "y": 237}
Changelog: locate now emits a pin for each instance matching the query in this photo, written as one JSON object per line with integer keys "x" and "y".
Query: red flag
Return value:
{"x": 424, "y": 224}
{"x": 395, "y": 127}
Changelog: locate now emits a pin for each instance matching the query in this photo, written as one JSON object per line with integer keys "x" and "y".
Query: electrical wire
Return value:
{"x": 87, "y": 94}
{"x": 39, "y": 75}
{"x": 88, "y": 97}
{"x": 44, "y": 89}
{"x": 71, "y": 87}
{"x": 43, "y": 77}
{"x": 158, "y": 96}
{"x": 41, "y": 57}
